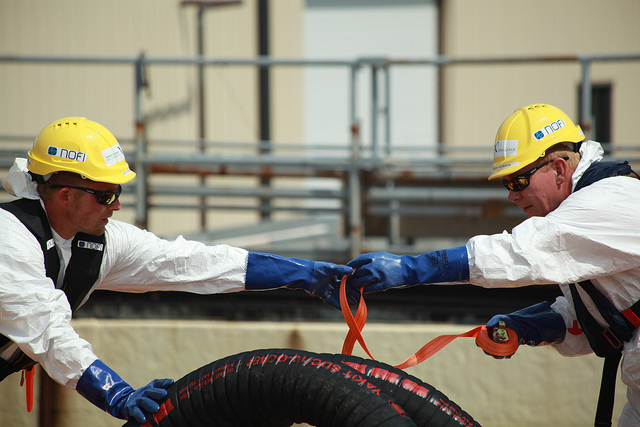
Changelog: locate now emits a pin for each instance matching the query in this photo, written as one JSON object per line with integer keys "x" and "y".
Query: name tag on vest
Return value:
{"x": 90, "y": 245}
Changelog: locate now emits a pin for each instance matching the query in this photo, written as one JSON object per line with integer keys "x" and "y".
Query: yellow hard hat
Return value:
{"x": 527, "y": 133}
{"x": 79, "y": 145}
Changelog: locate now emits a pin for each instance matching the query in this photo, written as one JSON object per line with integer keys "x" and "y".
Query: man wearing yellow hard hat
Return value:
{"x": 58, "y": 244}
{"x": 582, "y": 232}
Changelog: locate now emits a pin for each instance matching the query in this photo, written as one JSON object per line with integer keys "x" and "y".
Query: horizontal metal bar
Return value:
{"x": 414, "y": 168}
{"x": 257, "y": 208}
{"x": 212, "y": 159}
{"x": 442, "y": 210}
{"x": 324, "y": 162}
{"x": 261, "y": 192}
{"x": 271, "y": 61}
{"x": 436, "y": 194}
{"x": 159, "y": 60}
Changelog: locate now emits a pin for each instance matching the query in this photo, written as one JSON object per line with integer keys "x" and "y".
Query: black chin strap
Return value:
{"x": 38, "y": 179}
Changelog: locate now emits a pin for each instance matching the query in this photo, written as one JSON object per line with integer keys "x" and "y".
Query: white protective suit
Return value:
{"x": 36, "y": 316}
{"x": 594, "y": 234}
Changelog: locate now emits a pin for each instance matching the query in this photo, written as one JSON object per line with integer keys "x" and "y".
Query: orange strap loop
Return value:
{"x": 27, "y": 381}
{"x": 356, "y": 325}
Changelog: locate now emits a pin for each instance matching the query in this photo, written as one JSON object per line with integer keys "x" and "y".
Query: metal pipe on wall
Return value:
{"x": 586, "y": 122}
{"x": 356, "y": 223}
{"x": 141, "y": 145}
{"x": 202, "y": 5}
{"x": 264, "y": 89}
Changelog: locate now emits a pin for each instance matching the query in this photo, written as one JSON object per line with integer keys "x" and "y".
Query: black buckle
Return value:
{"x": 612, "y": 338}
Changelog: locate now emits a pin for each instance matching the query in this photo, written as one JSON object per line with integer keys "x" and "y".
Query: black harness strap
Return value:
{"x": 606, "y": 342}
{"x": 606, "y": 398}
{"x": 82, "y": 272}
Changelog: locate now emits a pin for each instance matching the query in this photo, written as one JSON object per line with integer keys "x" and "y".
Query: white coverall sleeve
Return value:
{"x": 593, "y": 234}
{"x": 139, "y": 261}
{"x": 33, "y": 314}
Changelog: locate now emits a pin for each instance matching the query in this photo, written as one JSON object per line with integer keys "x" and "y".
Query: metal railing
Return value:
{"x": 376, "y": 165}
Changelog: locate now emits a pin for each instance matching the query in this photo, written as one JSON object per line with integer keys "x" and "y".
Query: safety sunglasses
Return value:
{"x": 521, "y": 182}
{"x": 103, "y": 197}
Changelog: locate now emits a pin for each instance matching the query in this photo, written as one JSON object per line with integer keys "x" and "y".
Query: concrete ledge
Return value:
{"x": 536, "y": 387}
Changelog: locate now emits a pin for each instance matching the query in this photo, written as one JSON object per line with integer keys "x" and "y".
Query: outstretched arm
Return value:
{"x": 380, "y": 271}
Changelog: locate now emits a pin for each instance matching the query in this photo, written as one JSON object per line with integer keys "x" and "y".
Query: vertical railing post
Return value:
{"x": 141, "y": 183}
{"x": 354, "y": 185}
{"x": 374, "y": 110}
{"x": 394, "y": 222}
{"x": 387, "y": 109}
{"x": 586, "y": 119}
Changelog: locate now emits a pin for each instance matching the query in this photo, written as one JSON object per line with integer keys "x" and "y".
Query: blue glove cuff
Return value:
{"x": 101, "y": 386}
{"x": 320, "y": 279}
{"x": 534, "y": 325}
{"x": 449, "y": 265}
{"x": 267, "y": 271}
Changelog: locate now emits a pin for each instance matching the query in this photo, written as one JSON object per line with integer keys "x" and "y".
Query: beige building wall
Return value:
{"x": 476, "y": 99}
{"x": 156, "y": 28}
{"x": 535, "y": 387}
{"x": 35, "y": 93}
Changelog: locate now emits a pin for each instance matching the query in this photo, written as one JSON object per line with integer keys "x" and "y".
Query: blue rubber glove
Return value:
{"x": 534, "y": 325}
{"x": 379, "y": 271}
{"x": 101, "y": 386}
{"x": 320, "y": 279}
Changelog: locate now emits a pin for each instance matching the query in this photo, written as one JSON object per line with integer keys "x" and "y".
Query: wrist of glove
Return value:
{"x": 320, "y": 279}
{"x": 535, "y": 325}
{"x": 100, "y": 385}
{"x": 380, "y": 271}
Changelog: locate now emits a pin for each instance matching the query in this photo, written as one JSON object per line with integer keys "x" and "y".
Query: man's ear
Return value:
{"x": 64, "y": 196}
{"x": 561, "y": 167}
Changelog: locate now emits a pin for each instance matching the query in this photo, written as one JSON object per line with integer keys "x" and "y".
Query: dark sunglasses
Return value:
{"x": 521, "y": 182}
{"x": 103, "y": 197}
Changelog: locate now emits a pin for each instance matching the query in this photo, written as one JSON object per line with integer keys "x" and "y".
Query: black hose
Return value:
{"x": 279, "y": 387}
{"x": 427, "y": 406}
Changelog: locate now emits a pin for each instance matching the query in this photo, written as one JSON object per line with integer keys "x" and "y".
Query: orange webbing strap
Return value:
{"x": 355, "y": 325}
{"x": 432, "y": 347}
{"x": 27, "y": 380}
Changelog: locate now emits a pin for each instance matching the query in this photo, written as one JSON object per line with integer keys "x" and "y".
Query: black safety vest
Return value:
{"x": 81, "y": 273}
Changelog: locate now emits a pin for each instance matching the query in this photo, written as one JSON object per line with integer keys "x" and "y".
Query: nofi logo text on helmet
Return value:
{"x": 63, "y": 153}
{"x": 549, "y": 129}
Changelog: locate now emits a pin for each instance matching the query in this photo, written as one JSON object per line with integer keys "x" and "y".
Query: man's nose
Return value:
{"x": 115, "y": 206}
{"x": 514, "y": 196}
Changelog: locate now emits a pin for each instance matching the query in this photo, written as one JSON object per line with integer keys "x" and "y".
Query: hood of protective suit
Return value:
{"x": 590, "y": 152}
{"x": 19, "y": 182}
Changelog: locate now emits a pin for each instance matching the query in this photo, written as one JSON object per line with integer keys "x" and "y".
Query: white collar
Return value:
{"x": 590, "y": 152}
